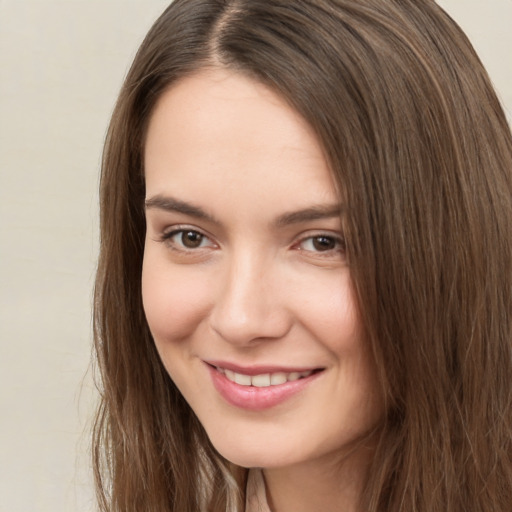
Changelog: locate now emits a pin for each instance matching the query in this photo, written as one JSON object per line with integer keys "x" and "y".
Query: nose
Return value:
{"x": 250, "y": 305}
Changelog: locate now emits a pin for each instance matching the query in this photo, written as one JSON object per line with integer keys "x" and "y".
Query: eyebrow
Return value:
{"x": 169, "y": 204}
{"x": 316, "y": 212}
{"x": 309, "y": 214}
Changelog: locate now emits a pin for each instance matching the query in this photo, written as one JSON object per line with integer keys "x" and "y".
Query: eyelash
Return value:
{"x": 167, "y": 237}
{"x": 338, "y": 241}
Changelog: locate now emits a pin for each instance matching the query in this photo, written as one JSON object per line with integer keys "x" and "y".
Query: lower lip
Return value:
{"x": 253, "y": 398}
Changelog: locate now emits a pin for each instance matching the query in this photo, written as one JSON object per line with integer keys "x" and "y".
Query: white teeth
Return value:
{"x": 265, "y": 379}
{"x": 261, "y": 381}
{"x": 244, "y": 380}
{"x": 278, "y": 378}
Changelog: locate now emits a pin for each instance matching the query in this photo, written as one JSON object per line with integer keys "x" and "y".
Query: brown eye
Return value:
{"x": 324, "y": 243}
{"x": 191, "y": 239}
{"x": 186, "y": 239}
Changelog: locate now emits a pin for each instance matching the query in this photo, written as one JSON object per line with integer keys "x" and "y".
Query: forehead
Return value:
{"x": 218, "y": 127}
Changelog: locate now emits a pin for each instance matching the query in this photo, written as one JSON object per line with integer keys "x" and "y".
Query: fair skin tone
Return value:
{"x": 247, "y": 289}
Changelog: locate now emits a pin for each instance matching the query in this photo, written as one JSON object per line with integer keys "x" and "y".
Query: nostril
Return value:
{"x": 253, "y": 324}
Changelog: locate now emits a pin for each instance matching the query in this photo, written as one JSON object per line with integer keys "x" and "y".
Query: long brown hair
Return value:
{"x": 422, "y": 154}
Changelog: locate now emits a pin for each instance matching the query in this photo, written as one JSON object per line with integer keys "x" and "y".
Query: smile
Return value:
{"x": 257, "y": 389}
{"x": 263, "y": 380}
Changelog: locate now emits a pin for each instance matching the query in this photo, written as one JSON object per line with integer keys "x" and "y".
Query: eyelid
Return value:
{"x": 338, "y": 237}
{"x": 171, "y": 231}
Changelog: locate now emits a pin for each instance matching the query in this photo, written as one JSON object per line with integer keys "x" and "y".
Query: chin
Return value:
{"x": 254, "y": 459}
{"x": 251, "y": 454}
{"x": 259, "y": 448}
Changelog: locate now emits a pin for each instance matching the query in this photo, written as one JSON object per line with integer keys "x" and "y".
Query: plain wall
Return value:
{"x": 61, "y": 66}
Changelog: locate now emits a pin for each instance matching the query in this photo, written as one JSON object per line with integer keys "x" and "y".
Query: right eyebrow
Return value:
{"x": 170, "y": 204}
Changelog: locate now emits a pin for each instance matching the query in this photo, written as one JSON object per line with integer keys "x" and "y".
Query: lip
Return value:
{"x": 254, "y": 398}
{"x": 258, "y": 370}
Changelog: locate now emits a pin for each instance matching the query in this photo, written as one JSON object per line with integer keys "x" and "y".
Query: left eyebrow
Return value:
{"x": 309, "y": 214}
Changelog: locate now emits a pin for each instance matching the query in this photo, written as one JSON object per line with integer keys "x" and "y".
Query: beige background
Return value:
{"x": 61, "y": 65}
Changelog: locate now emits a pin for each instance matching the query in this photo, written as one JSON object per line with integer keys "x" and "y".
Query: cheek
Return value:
{"x": 330, "y": 311}
{"x": 175, "y": 301}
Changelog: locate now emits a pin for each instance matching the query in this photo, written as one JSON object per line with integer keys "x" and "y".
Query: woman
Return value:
{"x": 303, "y": 299}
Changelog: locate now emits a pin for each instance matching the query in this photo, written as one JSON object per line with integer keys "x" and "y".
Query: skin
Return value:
{"x": 253, "y": 285}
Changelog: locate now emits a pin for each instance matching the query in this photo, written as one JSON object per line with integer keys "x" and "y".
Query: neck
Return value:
{"x": 327, "y": 485}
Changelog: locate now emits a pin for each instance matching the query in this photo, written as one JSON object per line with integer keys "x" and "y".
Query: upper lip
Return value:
{"x": 260, "y": 369}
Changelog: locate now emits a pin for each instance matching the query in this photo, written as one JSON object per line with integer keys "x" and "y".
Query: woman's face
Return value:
{"x": 246, "y": 284}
